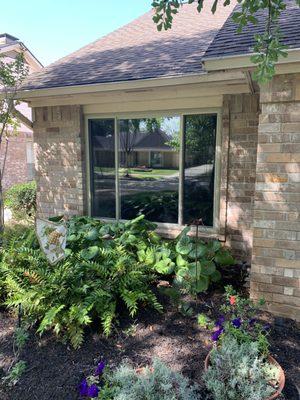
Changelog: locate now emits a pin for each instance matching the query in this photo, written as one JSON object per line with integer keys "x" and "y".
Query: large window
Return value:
{"x": 161, "y": 167}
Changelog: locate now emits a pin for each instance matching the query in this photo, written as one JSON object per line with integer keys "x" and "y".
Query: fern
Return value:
{"x": 78, "y": 290}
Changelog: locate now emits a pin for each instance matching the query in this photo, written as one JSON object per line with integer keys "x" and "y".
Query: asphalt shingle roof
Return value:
{"x": 229, "y": 43}
{"x": 138, "y": 51}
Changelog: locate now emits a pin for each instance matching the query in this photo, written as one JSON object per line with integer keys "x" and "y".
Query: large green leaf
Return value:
{"x": 92, "y": 234}
{"x": 180, "y": 261}
{"x": 224, "y": 258}
{"x": 202, "y": 284}
{"x": 198, "y": 251}
{"x": 208, "y": 268}
{"x": 165, "y": 266}
{"x": 216, "y": 276}
{"x": 195, "y": 270}
{"x": 184, "y": 246}
{"x": 89, "y": 252}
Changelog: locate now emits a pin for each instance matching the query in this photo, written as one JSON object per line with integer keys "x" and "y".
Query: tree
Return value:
{"x": 268, "y": 46}
{"x": 12, "y": 74}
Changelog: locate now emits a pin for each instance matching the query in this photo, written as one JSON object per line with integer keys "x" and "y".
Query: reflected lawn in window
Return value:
{"x": 148, "y": 170}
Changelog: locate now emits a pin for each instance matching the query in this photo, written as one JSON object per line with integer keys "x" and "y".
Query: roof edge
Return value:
{"x": 239, "y": 61}
{"x": 132, "y": 85}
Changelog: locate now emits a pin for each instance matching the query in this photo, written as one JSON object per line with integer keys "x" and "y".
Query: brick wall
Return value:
{"x": 59, "y": 147}
{"x": 276, "y": 248}
{"x": 240, "y": 121}
{"x": 15, "y": 155}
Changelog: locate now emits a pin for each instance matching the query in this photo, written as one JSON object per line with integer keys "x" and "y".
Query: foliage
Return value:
{"x": 237, "y": 371}
{"x": 12, "y": 75}
{"x": 197, "y": 262}
{"x": 239, "y": 321}
{"x": 156, "y": 383}
{"x": 15, "y": 373}
{"x": 268, "y": 47}
{"x": 18, "y": 367}
{"x": 21, "y": 199}
{"x": 101, "y": 271}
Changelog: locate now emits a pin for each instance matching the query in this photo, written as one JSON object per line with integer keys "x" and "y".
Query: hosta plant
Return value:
{"x": 198, "y": 263}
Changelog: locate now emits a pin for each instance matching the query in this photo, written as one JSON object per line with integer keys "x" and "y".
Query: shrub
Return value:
{"x": 21, "y": 199}
{"x": 101, "y": 271}
{"x": 238, "y": 371}
{"x": 156, "y": 383}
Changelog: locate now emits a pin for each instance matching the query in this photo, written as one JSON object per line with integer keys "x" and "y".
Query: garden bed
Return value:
{"x": 54, "y": 369}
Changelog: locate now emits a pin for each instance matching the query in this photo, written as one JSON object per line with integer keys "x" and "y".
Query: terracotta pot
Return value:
{"x": 271, "y": 361}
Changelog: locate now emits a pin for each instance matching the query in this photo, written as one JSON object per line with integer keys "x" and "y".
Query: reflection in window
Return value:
{"x": 199, "y": 167}
{"x": 102, "y": 157}
{"x": 149, "y": 168}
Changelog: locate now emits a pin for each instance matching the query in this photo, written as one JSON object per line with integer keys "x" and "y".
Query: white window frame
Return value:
{"x": 167, "y": 228}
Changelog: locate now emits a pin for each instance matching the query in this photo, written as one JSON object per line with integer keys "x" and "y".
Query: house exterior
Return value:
{"x": 17, "y": 158}
{"x": 235, "y": 144}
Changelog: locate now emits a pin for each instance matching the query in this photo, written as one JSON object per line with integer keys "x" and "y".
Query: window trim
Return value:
{"x": 204, "y": 231}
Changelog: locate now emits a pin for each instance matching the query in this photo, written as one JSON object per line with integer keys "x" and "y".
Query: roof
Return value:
{"x": 8, "y": 36}
{"x": 230, "y": 43}
{"x": 138, "y": 51}
{"x": 141, "y": 141}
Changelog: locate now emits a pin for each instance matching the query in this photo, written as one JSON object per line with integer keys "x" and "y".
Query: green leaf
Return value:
{"x": 184, "y": 246}
{"x": 165, "y": 266}
{"x": 208, "y": 268}
{"x": 180, "y": 261}
{"x": 202, "y": 284}
{"x": 216, "y": 276}
{"x": 90, "y": 252}
{"x": 201, "y": 251}
{"x": 224, "y": 258}
{"x": 92, "y": 235}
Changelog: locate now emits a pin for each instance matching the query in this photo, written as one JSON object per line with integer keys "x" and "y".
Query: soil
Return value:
{"x": 54, "y": 369}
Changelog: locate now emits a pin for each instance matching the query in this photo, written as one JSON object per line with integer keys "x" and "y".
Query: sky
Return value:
{"x": 52, "y": 29}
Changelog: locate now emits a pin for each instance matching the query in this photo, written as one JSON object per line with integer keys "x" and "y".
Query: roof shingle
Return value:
{"x": 138, "y": 51}
{"x": 230, "y": 43}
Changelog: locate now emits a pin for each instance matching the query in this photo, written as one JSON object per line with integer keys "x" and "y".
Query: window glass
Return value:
{"x": 199, "y": 167}
{"x": 102, "y": 158}
{"x": 149, "y": 168}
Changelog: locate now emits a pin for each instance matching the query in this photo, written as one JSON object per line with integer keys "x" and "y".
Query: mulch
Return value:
{"x": 54, "y": 369}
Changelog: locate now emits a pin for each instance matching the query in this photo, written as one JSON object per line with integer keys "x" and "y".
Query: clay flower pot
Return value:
{"x": 281, "y": 380}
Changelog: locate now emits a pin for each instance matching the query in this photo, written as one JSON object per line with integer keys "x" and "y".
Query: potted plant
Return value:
{"x": 240, "y": 365}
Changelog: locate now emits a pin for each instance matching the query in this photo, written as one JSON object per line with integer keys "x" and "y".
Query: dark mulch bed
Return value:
{"x": 55, "y": 369}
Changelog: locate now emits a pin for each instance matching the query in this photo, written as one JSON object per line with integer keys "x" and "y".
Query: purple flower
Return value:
{"x": 220, "y": 321}
{"x": 100, "y": 368}
{"x": 93, "y": 391}
{"x": 267, "y": 327}
{"x": 236, "y": 322}
{"x": 252, "y": 321}
{"x": 83, "y": 388}
{"x": 215, "y": 336}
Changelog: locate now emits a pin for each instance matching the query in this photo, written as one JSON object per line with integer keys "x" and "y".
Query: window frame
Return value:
{"x": 165, "y": 228}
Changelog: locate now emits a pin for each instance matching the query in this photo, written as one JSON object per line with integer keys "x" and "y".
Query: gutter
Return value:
{"x": 239, "y": 61}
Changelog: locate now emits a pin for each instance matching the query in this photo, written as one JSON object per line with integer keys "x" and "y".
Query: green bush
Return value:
{"x": 101, "y": 271}
{"x": 157, "y": 383}
{"x": 21, "y": 199}
{"x": 238, "y": 371}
